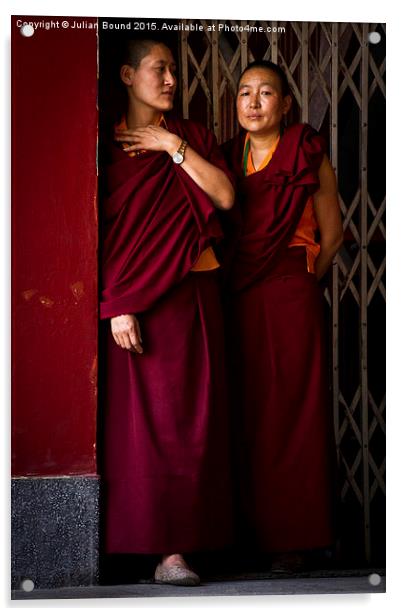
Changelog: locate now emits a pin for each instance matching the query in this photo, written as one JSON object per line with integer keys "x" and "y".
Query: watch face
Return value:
{"x": 178, "y": 158}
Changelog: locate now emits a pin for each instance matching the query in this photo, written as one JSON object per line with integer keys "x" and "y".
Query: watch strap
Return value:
{"x": 182, "y": 147}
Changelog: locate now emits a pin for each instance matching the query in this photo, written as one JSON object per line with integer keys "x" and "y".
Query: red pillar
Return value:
{"x": 55, "y": 488}
{"x": 54, "y": 249}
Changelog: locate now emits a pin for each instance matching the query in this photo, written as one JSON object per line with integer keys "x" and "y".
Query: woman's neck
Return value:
{"x": 142, "y": 116}
{"x": 263, "y": 142}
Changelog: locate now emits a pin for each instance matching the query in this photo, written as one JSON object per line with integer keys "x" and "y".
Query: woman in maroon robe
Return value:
{"x": 290, "y": 231}
{"x": 166, "y": 450}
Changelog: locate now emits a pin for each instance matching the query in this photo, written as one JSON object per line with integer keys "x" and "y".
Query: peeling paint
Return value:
{"x": 46, "y": 301}
{"x": 96, "y": 207}
{"x": 29, "y": 293}
{"x": 93, "y": 373}
{"x": 77, "y": 289}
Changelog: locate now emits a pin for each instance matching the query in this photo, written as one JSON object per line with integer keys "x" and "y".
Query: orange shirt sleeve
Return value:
{"x": 206, "y": 261}
{"x": 305, "y": 235}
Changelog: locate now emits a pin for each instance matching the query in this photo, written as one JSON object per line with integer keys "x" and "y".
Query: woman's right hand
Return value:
{"x": 126, "y": 332}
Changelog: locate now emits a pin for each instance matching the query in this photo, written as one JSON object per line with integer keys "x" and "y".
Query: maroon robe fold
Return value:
{"x": 166, "y": 466}
{"x": 278, "y": 195}
{"x": 284, "y": 444}
{"x": 157, "y": 221}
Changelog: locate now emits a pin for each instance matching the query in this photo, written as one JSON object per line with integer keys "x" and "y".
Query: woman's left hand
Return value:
{"x": 155, "y": 138}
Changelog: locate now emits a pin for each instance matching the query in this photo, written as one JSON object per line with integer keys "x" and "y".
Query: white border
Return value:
{"x": 291, "y": 10}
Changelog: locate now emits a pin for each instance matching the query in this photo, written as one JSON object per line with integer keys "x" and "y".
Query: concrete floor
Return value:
{"x": 313, "y": 582}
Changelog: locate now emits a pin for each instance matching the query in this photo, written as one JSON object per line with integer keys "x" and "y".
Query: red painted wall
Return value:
{"x": 54, "y": 249}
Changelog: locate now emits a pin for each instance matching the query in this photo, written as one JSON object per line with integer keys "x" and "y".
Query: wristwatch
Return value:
{"x": 178, "y": 156}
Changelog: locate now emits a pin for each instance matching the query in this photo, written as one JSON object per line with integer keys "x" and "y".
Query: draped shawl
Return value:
{"x": 156, "y": 222}
{"x": 271, "y": 201}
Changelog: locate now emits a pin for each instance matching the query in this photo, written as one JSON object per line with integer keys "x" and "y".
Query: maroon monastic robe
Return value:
{"x": 283, "y": 430}
{"x": 165, "y": 429}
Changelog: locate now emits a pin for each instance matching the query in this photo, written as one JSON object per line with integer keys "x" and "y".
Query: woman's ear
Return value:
{"x": 287, "y": 103}
{"x": 126, "y": 74}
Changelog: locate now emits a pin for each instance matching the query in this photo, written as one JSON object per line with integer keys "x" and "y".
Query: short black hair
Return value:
{"x": 134, "y": 50}
{"x": 275, "y": 68}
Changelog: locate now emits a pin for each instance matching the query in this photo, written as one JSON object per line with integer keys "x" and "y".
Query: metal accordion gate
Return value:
{"x": 336, "y": 72}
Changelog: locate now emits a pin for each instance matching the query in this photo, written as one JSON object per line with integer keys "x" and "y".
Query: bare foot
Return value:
{"x": 170, "y": 560}
{"x": 173, "y": 569}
